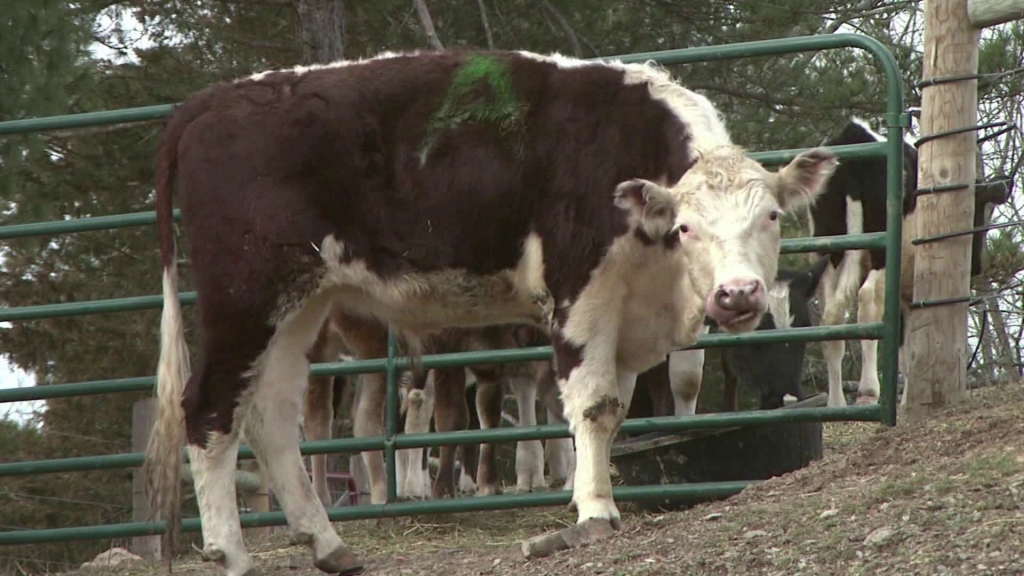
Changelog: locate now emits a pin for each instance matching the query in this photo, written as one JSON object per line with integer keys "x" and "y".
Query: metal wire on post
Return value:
{"x": 956, "y": 187}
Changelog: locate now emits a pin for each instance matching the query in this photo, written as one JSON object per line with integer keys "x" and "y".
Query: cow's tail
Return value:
{"x": 162, "y": 466}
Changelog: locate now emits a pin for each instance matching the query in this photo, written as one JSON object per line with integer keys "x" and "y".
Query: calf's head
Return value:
{"x": 723, "y": 219}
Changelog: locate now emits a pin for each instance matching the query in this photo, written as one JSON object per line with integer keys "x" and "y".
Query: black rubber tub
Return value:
{"x": 729, "y": 454}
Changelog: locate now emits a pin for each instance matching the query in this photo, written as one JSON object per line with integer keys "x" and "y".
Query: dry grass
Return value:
{"x": 944, "y": 496}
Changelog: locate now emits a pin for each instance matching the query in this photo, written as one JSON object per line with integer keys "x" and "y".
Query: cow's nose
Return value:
{"x": 738, "y": 296}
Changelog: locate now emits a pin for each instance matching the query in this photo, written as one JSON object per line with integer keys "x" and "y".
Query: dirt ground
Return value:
{"x": 944, "y": 496}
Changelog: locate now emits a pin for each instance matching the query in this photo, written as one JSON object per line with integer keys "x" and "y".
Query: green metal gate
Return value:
{"x": 887, "y": 331}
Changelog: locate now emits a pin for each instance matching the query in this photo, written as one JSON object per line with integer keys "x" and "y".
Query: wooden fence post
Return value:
{"x": 143, "y": 417}
{"x": 936, "y": 336}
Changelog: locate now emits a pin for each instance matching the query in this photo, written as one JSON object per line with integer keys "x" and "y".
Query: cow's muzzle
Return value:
{"x": 737, "y": 305}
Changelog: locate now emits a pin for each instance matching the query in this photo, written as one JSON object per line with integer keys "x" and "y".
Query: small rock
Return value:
{"x": 754, "y": 534}
{"x": 112, "y": 557}
{"x": 879, "y": 536}
{"x": 713, "y": 516}
{"x": 497, "y": 561}
{"x": 828, "y": 514}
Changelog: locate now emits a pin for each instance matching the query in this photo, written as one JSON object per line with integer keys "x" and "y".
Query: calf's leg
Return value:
{"x": 469, "y": 454}
{"x": 318, "y": 418}
{"x": 529, "y": 453}
{"x": 451, "y": 413}
{"x": 367, "y": 340}
{"x": 420, "y": 402}
{"x": 559, "y": 452}
{"x": 685, "y": 372}
{"x": 488, "y": 406}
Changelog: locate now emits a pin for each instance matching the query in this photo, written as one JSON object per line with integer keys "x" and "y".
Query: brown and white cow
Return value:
{"x": 854, "y": 202}
{"x": 599, "y": 201}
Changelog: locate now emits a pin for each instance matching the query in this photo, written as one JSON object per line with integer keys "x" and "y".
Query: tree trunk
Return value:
{"x": 428, "y": 24}
{"x": 566, "y": 28}
{"x": 322, "y": 29}
{"x": 486, "y": 23}
{"x": 1006, "y": 359}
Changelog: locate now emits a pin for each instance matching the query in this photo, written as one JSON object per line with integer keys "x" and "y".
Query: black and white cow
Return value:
{"x": 854, "y": 203}
{"x": 598, "y": 201}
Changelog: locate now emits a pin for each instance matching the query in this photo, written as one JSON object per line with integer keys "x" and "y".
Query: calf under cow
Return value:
{"x": 854, "y": 203}
{"x": 601, "y": 202}
{"x": 447, "y": 403}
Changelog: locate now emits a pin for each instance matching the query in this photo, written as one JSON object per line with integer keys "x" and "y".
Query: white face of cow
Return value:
{"x": 726, "y": 211}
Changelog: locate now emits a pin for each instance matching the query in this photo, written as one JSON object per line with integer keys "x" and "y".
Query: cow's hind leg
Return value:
{"x": 216, "y": 402}
{"x": 871, "y": 299}
{"x": 280, "y": 377}
{"x": 213, "y": 475}
{"x": 834, "y": 306}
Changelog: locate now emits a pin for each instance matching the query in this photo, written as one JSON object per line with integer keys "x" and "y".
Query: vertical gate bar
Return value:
{"x": 893, "y": 256}
{"x": 392, "y": 418}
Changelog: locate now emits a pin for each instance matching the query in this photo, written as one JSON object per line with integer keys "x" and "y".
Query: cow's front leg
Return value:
{"x": 590, "y": 391}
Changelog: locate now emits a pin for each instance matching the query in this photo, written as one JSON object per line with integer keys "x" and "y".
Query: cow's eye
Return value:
{"x": 684, "y": 229}
{"x": 773, "y": 215}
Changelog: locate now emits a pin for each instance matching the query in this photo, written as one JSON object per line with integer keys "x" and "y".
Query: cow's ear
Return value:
{"x": 648, "y": 206}
{"x": 996, "y": 192}
{"x": 804, "y": 179}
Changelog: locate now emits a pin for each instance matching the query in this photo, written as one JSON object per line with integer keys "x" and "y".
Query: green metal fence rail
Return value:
{"x": 887, "y": 331}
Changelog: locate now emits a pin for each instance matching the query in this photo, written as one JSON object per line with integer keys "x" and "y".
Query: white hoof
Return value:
{"x": 466, "y": 484}
{"x": 600, "y": 508}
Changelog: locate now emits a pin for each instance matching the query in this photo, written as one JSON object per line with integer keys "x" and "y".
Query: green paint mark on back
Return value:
{"x": 481, "y": 92}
